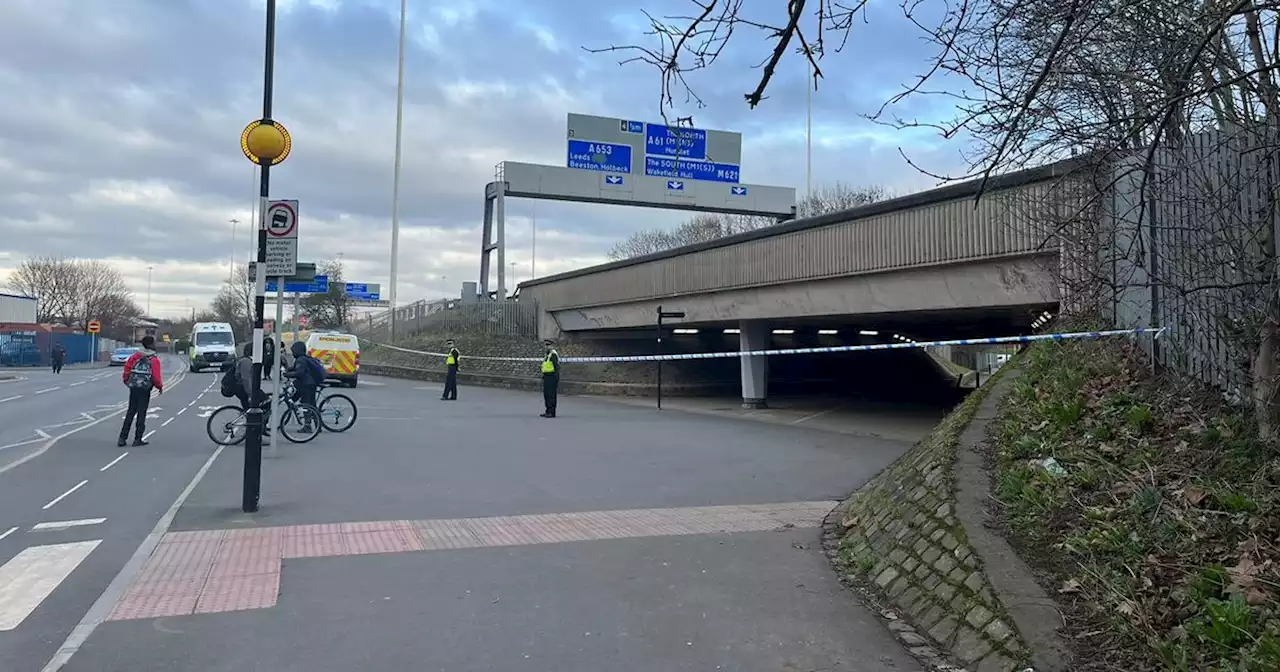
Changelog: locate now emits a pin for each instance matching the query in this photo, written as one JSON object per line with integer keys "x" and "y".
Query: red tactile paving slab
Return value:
{"x": 237, "y": 593}
{"x": 313, "y": 545}
{"x": 244, "y": 557}
{"x": 188, "y": 560}
{"x": 196, "y": 535}
{"x": 446, "y": 534}
{"x": 394, "y": 540}
{"x": 156, "y": 599}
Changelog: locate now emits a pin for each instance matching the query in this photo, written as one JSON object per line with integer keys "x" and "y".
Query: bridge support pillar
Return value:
{"x": 754, "y": 335}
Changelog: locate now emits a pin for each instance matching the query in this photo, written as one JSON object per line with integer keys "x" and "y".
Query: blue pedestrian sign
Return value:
{"x": 603, "y": 156}
{"x": 613, "y": 179}
{"x": 675, "y": 185}
{"x": 318, "y": 286}
{"x": 738, "y": 191}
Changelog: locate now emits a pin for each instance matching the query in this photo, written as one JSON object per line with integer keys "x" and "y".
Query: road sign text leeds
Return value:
{"x": 602, "y": 156}
{"x": 282, "y": 238}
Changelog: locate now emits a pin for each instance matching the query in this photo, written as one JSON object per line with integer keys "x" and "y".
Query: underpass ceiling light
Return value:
{"x": 784, "y": 332}
{"x": 828, "y": 332}
{"x": 868, "y": 332}
{"x": 732, "y": 331}
{"x": 684, "y": 331}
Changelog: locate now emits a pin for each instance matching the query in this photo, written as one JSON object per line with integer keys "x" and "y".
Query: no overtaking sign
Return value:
{"x": 282, "y": 238}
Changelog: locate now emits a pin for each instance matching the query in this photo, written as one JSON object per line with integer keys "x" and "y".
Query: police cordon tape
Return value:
{"x": 805, "y": 351}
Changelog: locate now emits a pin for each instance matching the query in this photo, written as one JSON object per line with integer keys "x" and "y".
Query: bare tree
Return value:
{"x": 74, "y": 291}
{"x": 705, "y": 227}
{"x": 333, "y": 308}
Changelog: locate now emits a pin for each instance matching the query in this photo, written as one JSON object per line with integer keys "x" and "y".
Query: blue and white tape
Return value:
{"x": 1077, "y": 335}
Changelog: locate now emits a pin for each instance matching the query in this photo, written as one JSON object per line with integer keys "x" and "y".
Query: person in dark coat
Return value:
{"x": 268, "y": 356}
{"x": 58, "y": 357}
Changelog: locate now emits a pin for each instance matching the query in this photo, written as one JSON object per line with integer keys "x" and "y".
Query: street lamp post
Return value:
{"x": 149, "y": 270}
{"x": 395, "y": 180}
{"x": 664, "y": 315}
{"x": 231, "y": 270}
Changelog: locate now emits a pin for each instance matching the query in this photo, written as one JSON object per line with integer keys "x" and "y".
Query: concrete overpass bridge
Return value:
{"x": 934, "y": 264}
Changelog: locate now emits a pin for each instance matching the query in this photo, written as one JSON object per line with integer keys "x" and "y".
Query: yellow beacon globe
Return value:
{"x": 265, "y": 143}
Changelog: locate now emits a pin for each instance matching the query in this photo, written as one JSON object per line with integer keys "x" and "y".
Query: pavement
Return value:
{"x": 467, "y": 535}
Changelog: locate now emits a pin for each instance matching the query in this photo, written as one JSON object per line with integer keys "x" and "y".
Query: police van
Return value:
{"x": 212, "y": 343}
{"x": 340, "y": 354}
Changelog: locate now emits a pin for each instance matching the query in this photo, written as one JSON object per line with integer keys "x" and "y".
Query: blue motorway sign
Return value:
{"x": 360, "y": 292}
{"x": 608, "y": 157}
{"x": 690, "y": 170}
{"x": 686, "y": 143}
{"x": 318, "y": 286}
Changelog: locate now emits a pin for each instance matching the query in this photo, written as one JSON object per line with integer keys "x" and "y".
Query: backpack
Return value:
{"x": 316, "y": 373}
{"x": 140, "y": 375}
{"x": 230, "y": 380}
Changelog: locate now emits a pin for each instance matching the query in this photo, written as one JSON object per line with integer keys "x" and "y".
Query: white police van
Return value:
{"x": 212, "y": 344}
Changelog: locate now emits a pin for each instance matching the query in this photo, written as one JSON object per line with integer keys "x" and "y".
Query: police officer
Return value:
{"x": 451, "y": 373}
{"x": 550, "y": 379}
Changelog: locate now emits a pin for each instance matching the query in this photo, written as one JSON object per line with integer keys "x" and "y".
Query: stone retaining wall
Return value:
{"x": 902, "y": 540}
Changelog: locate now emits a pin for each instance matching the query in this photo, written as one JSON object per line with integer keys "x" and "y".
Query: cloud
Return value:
{"x": 119, "y": 137}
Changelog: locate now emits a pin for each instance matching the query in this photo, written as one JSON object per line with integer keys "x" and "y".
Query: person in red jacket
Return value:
{"x": 141, "y": 375}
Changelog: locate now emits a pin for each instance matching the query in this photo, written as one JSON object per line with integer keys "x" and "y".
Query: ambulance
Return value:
{"x": 340, "y": 354}
{"x": 212, "y": 344}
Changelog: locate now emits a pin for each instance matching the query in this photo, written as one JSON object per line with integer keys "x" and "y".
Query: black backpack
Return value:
{"x": 230, "y": 380}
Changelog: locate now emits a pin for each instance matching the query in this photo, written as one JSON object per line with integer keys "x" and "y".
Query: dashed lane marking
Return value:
{"x": 49, "y": 389}
{"x": 66, "y": 524}
{"x": 33, "y": 574}
{"x": 79, "y": 383}
{"x": 17, "y": 396}
{"x": 112, "y": 463}
{"x": 9, "y": 532}
{"x": 148, "y": 435}
{"x": 64, "y": 495}
{"x": 43, "y": 434}
{"x": 166, "y": 422}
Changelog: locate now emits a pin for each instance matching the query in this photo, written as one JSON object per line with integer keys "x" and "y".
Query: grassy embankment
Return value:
{"x": 1159, "y": 533}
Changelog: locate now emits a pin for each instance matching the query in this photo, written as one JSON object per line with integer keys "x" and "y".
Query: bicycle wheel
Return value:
{"x": 300, "y": 423}
{"x": 226, "y": 426}
{"x": 338, "y": 412}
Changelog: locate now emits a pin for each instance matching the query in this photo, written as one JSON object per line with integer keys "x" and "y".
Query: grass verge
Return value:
{"x": 1156, "y": 524}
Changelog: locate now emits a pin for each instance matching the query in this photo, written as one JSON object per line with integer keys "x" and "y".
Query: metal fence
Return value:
{"x": 453, "y": 317}
{"x": 20, "y": 348}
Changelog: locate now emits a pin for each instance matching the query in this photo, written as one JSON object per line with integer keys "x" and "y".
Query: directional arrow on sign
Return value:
{"x": 675, "y": 185}
{"x": 738, "y": 191}
{"x": 613, "y": 179}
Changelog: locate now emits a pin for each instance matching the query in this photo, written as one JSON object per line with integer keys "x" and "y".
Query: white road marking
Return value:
{"x": 64, "y": 495}
{"x": 33, "y": 574}
{"x": 148, "y": 435}
{"x": 112, "y": 463}
{"x": 819, "y": 414}
{"x": 66, "y": 524}
{"x": 43, "y": 434}
{"x": 9, "y": 532}
{"x": 51, "y": 389}
{"x": 107, "y": 600}
{"x": 10, "y": 398}
{"x": 180, "y": 411}
{"x": 79, "y": 383}
{"x": 87, "y": 416}
{"x": 166, "y": 422}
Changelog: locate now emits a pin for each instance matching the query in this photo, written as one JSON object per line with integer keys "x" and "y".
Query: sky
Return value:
{"x": 119, "y": 130}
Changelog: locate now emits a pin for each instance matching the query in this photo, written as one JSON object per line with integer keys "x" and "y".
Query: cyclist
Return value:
{"x": 308, "y": 374}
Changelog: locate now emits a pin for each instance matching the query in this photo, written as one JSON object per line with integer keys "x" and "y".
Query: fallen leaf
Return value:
{"x": 1070, "y": 586}
{"x": 1245, "y": 573}
{"x": 1127, "y": 607}
{"x": 799, "y": 546}
{"x": 1256, "y": 596}
{"x": 1194, "y": 495}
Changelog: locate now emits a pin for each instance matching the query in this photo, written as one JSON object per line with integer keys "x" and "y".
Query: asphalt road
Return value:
{"x": 578, "y": 570}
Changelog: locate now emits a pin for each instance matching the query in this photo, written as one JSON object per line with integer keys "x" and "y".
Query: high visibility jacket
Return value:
{"x": 452, "y": 358}
{"x": 551, "y": 362}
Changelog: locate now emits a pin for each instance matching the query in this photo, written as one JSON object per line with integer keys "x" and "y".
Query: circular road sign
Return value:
{"x": 93, "y": 327}
{"x": 265, "y": 143}
{"x": 282, "y": 220}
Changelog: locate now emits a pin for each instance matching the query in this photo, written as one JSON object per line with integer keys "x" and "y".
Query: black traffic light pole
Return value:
{"x": 675, "y": 315}
{"x": 254, "y": 420}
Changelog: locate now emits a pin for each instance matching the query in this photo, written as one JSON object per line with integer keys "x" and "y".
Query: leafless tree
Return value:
{"x": 1170, "y": 107}
{"x": 333, "y": 308}
{"x": 74, "y": 291}
{"x": 234, "y": 301}
{"x": 710, "y": 226}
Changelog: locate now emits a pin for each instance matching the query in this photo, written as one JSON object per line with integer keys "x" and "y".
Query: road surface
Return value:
{"x": 468, "y": 535}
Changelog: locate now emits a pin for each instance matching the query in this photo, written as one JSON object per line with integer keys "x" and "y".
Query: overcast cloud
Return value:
{"x": 119, "y": 130}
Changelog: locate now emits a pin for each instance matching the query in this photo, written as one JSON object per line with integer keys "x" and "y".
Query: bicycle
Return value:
{"x": 228, "y": 426}
{"x": 337, "y": 411}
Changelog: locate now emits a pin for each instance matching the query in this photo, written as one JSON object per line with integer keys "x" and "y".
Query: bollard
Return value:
{"x": 252, "y": 461}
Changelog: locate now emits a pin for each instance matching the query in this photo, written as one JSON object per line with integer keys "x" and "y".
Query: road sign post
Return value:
{"x": 93, "y": 327}
{"x": 282, "y": 239}
{"x": 664, "y": 314}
